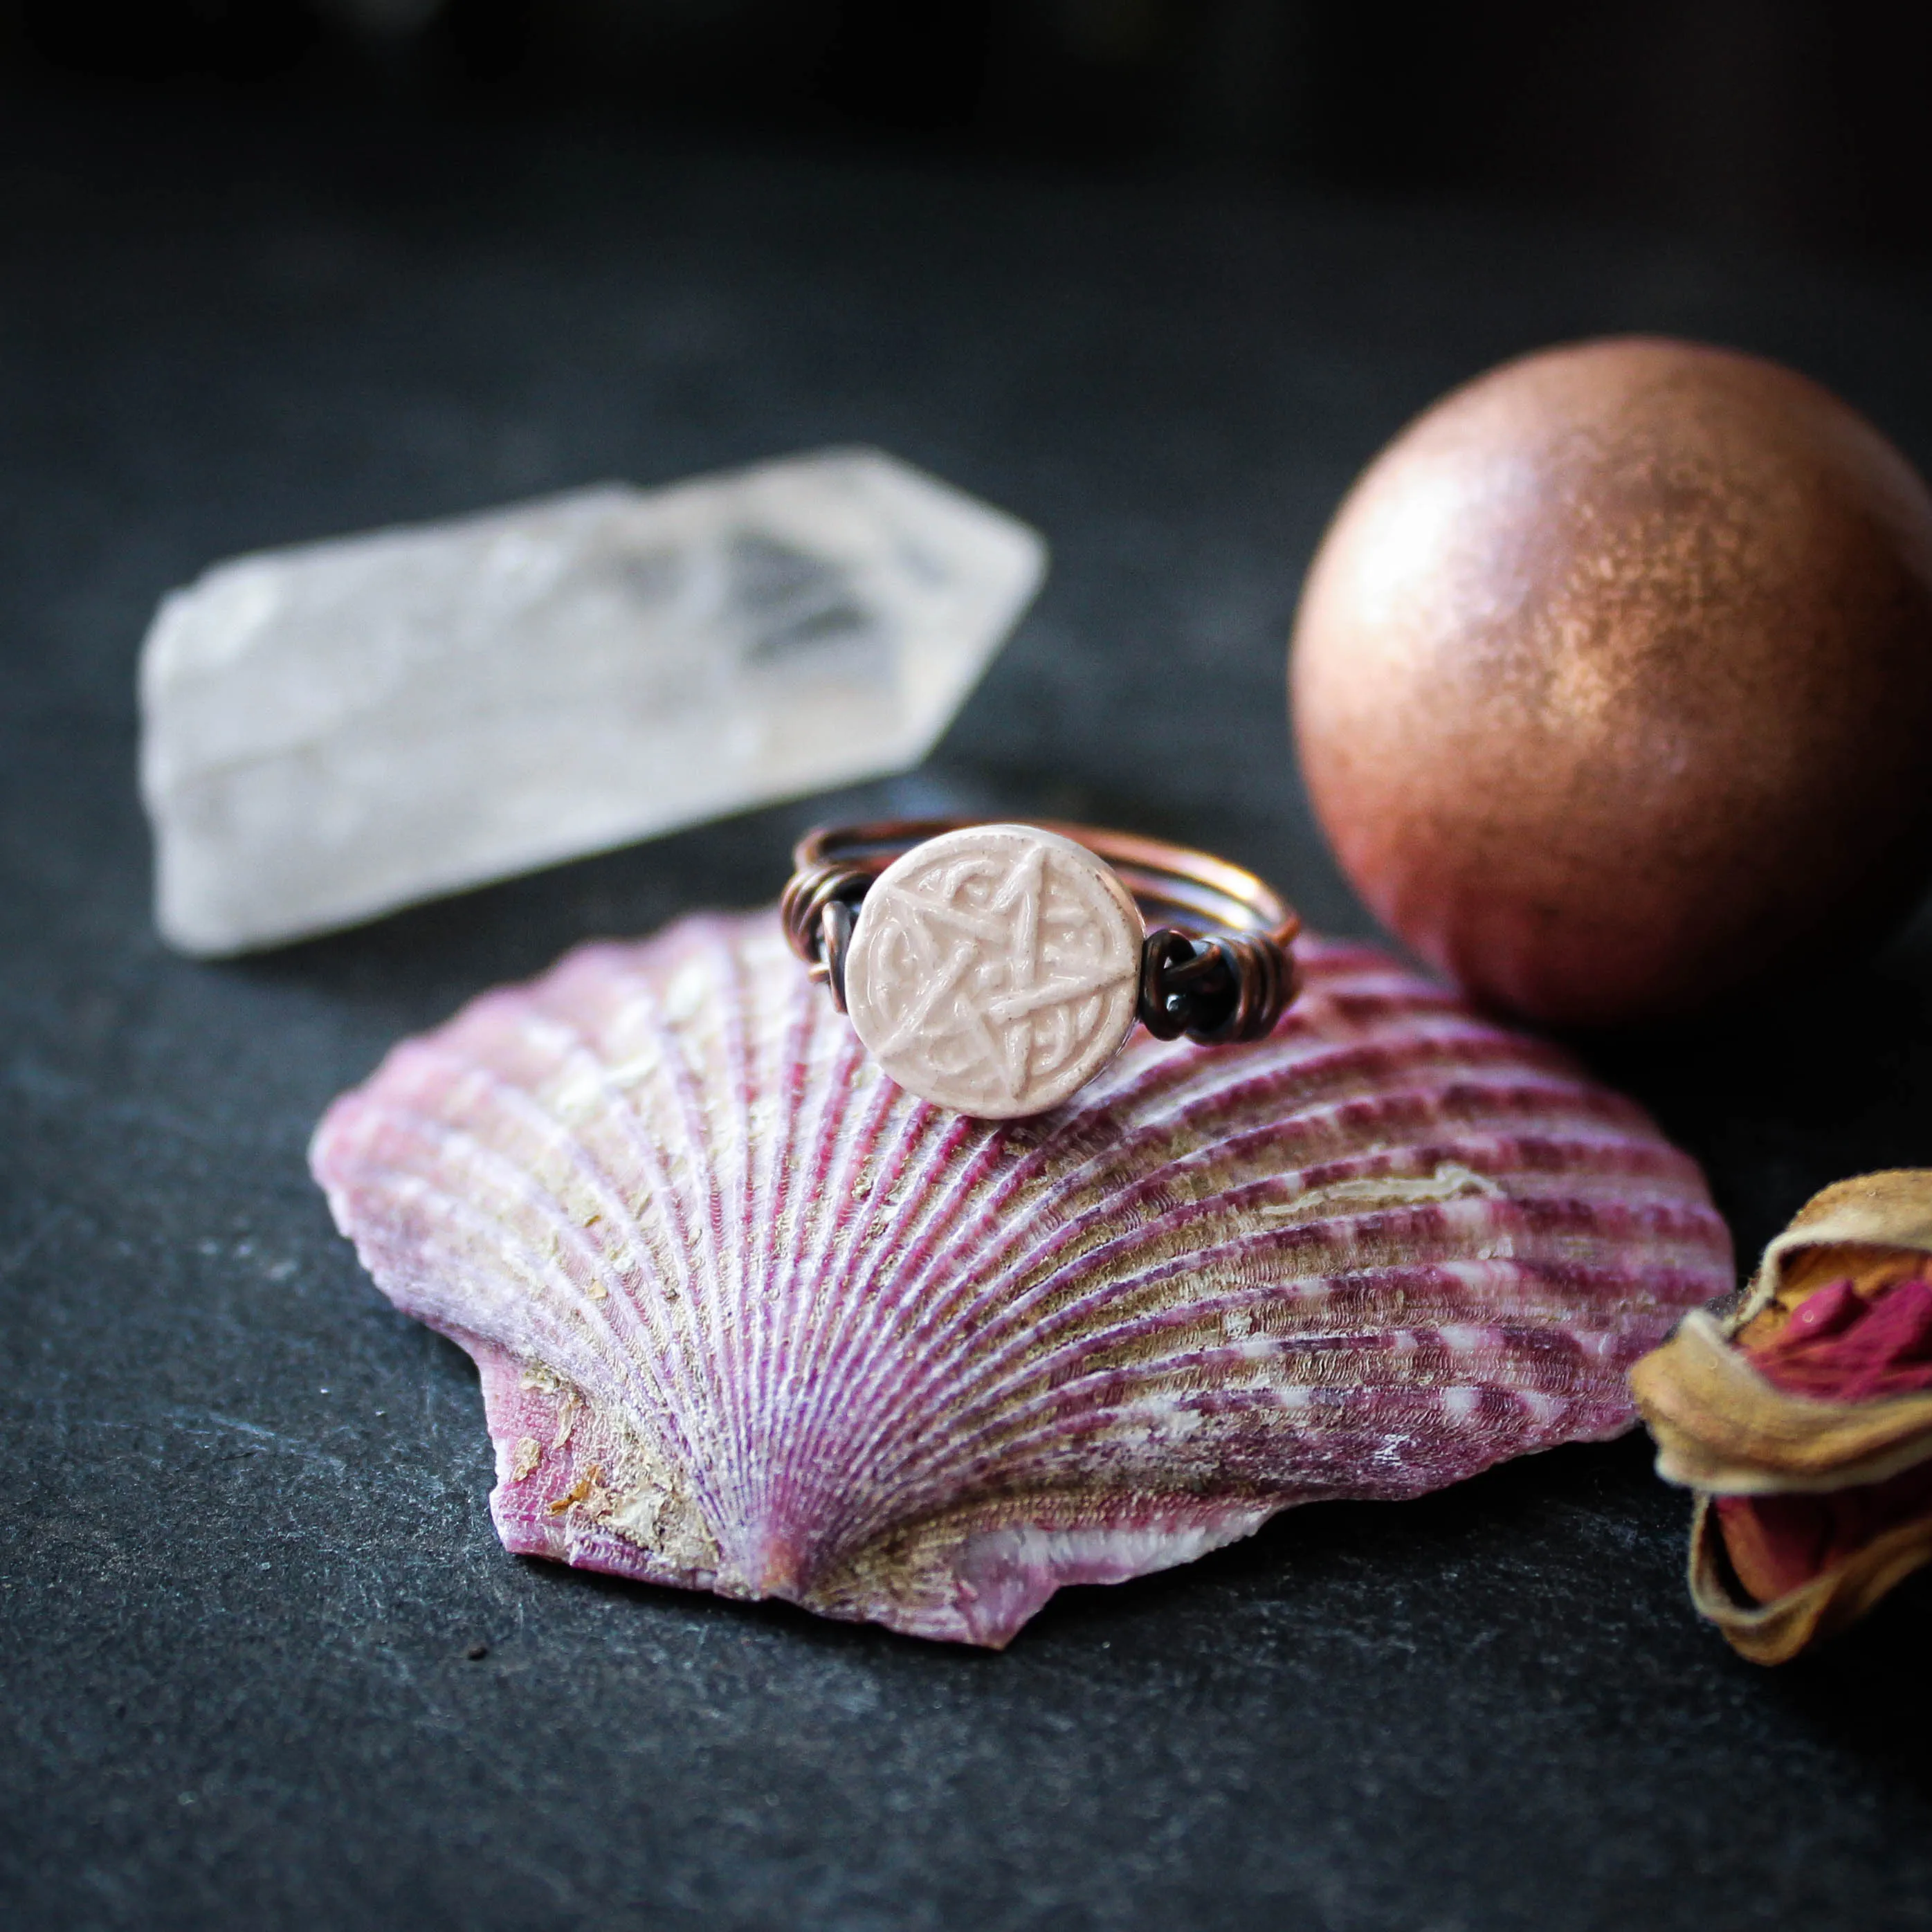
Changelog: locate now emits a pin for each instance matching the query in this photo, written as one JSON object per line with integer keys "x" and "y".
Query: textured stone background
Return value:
{"x": 243, "y": 1547}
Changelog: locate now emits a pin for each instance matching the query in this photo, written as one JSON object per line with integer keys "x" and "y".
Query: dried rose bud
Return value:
{"x": 1803, "y": 1419}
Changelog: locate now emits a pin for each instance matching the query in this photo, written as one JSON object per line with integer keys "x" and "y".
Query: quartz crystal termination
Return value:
{"x": 336, "y": 730}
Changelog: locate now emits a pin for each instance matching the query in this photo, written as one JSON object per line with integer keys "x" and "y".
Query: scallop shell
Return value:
{"x": 751, "y": 1319}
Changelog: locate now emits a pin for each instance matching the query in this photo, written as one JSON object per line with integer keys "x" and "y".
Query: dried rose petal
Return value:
{"x": 1778, "y": 1544}
{"x": 1848, "y": 1347}
{"x": 1805, "y": 1420}
{"x": 1841, "y": 1346}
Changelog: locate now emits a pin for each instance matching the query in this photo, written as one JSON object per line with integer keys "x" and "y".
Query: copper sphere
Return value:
{"x": 1613, "y": 680}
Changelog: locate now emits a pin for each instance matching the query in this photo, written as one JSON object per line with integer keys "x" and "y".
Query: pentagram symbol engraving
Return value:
{"x": 995, "y": 970}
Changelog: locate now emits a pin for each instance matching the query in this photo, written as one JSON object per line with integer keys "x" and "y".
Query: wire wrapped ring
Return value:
{"x": 1027, "y": 932}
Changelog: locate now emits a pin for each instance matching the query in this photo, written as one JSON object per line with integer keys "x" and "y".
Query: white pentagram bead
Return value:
{"x": 995, "y": 970}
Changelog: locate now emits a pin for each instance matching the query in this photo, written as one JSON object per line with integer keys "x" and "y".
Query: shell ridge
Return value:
{"x": 522, "y": 1110}
{"x": 786, "y": 1331}
{"x": 926, "y": 1269}
{"x": 1407, "y": 1433}
{"x": 775, "y": 1488}
{"x": 735, "y": 1301}
{"x": 1302, "y": 1193}
{"x": 681, "y": 1125}
{"x": 917, "y": 1198}
{"x": 891, "y": 1286}
{"x": 1329, "y": 1311}
{"x": 1155, "y": 1135}
{"x": 572, "y": 1333}
{"x": 1427, "y": 1356}
{"x": 993, "y": 1302}
{"x": 428, "y": 1279}
{"x": 857, "y": 1323}
{"x": 767, "y": 1067}
{"x": 678, "y": 1296}
{"x": 687, "y": 1404}
{"x": 923, "y": 1370}
{"x": 844, "y": 1203}
{"x": 714, "y": 1091}
{"x": 600, "y": 1479}
{"x": 664, "y": 1232}
{"x": 997, "y": 1381}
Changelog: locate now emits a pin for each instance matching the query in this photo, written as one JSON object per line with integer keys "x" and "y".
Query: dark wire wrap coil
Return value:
{"x": 1222, "y": 970}
{"x": 819, "y": 907}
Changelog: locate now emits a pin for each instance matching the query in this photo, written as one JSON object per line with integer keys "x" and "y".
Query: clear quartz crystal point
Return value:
{"x": 338, "y": 729}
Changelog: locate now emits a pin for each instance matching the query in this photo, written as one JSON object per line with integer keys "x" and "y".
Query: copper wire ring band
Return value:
{"x": 1218, "y": 967}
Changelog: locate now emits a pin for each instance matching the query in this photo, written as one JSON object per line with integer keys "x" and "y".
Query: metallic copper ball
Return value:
{"x": 1612, "y": 680}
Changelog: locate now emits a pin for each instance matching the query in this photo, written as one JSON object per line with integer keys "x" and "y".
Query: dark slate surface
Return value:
{"x": 242, "y": 1527}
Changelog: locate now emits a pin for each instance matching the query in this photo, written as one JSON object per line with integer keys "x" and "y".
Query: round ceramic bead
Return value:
{"x": 995, "y": 970}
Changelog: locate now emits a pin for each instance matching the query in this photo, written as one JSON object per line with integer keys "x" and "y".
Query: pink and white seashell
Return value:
{"x": 749, "y": 1318}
